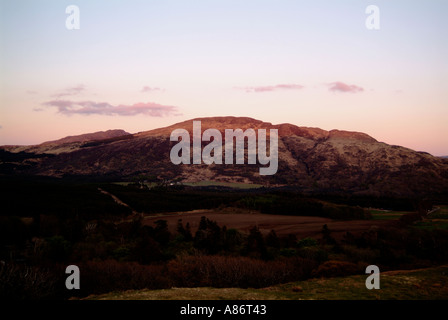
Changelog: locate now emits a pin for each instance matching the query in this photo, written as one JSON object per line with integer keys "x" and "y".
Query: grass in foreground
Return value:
{"x": 386, "y": 214}
{"x": 420, "y": 284}
{"x": 435, "y": 220}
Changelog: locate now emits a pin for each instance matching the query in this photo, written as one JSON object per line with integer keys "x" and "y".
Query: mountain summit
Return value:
{"x": 284, "y": 129}
{"x": 309, "y": 158}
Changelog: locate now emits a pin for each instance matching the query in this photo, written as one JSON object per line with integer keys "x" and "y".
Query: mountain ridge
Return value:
{"x": 57, "y": 146}
{"x": 309, "y": 158}
{"x": 98, "y": 135}
{"x": 243, "y": 123}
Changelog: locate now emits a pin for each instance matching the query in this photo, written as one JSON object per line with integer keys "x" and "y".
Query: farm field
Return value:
{"x": 301, "y": 226}
{"x": 438, "y": 219}
{"x": 386, "y": 214}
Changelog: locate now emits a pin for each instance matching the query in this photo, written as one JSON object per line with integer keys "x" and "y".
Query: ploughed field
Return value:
{"x": 301, "y": 226}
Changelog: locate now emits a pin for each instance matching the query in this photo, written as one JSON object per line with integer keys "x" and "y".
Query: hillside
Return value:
{"x": 67, "y": 144}
{"x": 311, "y": 159}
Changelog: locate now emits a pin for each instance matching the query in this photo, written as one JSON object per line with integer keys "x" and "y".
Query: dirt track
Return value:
{"x": 283, "y": 225}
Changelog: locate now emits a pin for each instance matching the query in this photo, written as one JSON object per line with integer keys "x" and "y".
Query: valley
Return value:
{"x": 113, "y": 204}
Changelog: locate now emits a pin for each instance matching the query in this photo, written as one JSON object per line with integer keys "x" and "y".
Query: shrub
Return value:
{"x": 56, "y": 248}
{"x": 335, "y": 268}
{"x": 356, "y": 254}
{"x": 288, "y": 252}
{"x": 19, "y": 282}
{"x": 313, "y": 253}
{"x": 122, "y": 253}
{"x": 243, "y": 272}
{"x": 410, "y": 218}
{"x": 105, "y": 276}
{"x": 307, "y": 242}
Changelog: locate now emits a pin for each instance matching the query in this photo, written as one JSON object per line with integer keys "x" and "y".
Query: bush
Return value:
{"x": 288, "y": 252}
{"x": 410, "y": 218}
{"x": 356, "y": 254}
{"x": 243, "y": 272}
{"x": 307, "y": 242}
{"x": 105, "y": 276}
{"x": 335, "y": 268}
{"x": 19, "y": 282}
{"x": 313, "y": 253}
{"x": 56, "y": 248}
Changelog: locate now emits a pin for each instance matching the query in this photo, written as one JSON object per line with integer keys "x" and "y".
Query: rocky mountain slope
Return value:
{"x": 309, "y": 158}
{"x": 66, "y": 144}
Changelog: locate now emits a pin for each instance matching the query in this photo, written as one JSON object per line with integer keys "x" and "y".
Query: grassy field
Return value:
{"x": 420, "y": 284}
{"x": 442, "y": 213}
{"x": 435, "y": 220}
{"x": 386, "y": 214}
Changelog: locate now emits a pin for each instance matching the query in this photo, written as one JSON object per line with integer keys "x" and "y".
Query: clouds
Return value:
{"x": 271, "y": 88}
{"x": 71, "y": 91}
{"x": 336, "y": 86}
{"x": 150, "y": 89}
{"x": 68, "y": 107}
{"x": 342, "y": 87}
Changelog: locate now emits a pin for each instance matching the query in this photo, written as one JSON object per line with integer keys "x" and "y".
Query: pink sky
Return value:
{"x": 139, "y": 66}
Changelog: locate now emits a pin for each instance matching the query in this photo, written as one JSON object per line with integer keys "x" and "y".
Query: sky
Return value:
{"x": 139, "y": 65}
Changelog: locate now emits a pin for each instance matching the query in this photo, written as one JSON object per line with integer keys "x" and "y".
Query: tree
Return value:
{"x": 326, "y": 235}
{"x": 184, "y": 232}
{"x": 209, "y": 236}
{"x": 272, "y": 240}
{"x": 161, "y": 232}
{"x": 188, "y": 235}
{"x": 255, "y": 243}
{"x": 232, "y": 239}
{"x": 147, "y": 250}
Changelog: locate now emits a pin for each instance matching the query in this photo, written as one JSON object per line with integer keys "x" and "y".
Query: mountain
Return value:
{"x": 311, "y": 159}
{"x": 67, "y": 144}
